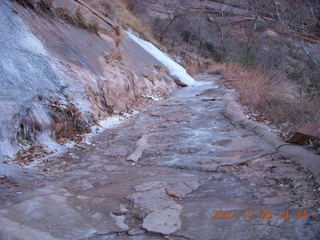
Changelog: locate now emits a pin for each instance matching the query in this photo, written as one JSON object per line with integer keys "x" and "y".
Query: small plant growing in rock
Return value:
{"x": 116, "y": 55}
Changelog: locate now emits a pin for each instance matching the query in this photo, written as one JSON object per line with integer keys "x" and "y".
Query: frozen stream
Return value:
{"x": 175, "y": 69}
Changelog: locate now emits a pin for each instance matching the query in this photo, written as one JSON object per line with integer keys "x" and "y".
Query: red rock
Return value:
{"x": 179, "y": 83}
{"x": 309, "y": 131}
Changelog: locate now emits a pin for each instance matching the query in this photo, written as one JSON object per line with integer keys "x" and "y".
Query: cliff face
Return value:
{"x": 282, "y": 34}
{"x": 64, "y": 67}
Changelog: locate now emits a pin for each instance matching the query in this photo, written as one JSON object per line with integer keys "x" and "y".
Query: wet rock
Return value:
{"x": 136, "y": 231}
{"x": 120, "y": 221}
{"x": 83, "y": 184}
{"x": 209, "y": 100}
{"x": 193, "y": 184}
{"x": 209, "y": 161}
{"x": 138, "y": 215}
{"x": 179, "y": 190}
{"x": 74, "y": 156}
{"x": 111, "y": 168}
{"x": 96, "y": 216}
{"x": 254, "y": 185}
{"x": 116, "y": 152}
{"x": 142, "y": 144}
{"x": 222, "y": 142}
{"x": 307, "y": 203}
{"x": 264, "y": 190}
{"x": 165, "y": 221}
{"x": 314, "y": 215}
{"x": 276, "y": 220}
{"x": 151, "y": 200}
{"x": 274, "y": 200}
{"x": 123, "y": 209}
{"x": 150, "y": 186}
{"x": 188, "y": 150}
{"x": 79, "y": 208}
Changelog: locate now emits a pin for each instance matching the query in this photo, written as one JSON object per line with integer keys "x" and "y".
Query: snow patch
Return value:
{"x": 175, "y": 69}
{"x": 57, "y": 149}
{"x": 32, "y": 43}
{"x": 107, "y": 123}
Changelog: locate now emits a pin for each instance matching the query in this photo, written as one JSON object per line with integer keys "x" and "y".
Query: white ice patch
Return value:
{"x": 6, "y": 169}
{"x": 57, "y": 149}
{"x": 107, "y": 123}
{"x": 54, "y": 148}
{"x": 32, "y": 43}
{"x": 175, "y": 69}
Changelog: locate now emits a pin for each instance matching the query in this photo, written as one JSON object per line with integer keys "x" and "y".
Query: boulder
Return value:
{"x": 164, "y": 221}
{"x": 309, "y": 131}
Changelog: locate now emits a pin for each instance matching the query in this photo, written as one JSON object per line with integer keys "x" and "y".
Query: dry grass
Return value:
{"x": 269, "y": 97}
{"x": 194, "y": 63}
{"x": 116, "y": 55}
{"x": 256, "y": 88}
{"x": 126, "y": 18}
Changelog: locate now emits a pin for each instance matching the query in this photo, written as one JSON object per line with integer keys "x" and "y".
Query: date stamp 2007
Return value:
{"x": 262, "y": 214}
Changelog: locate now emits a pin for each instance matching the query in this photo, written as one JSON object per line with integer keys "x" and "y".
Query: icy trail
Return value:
{"x": 161, "y": 175}
{"x": 175, "y": 69}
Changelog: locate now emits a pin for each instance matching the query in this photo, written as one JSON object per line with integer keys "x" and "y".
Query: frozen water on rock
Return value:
{"x": 26, "y": 75}
{"x": 2, "y": 168}
{"x": 29, "y": 76}
{"x": 175, "y": 69}
{"x": 107, "y": 123}
{"x": 7, "y": 170}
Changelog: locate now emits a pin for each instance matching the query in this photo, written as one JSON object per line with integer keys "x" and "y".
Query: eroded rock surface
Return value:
{"x": 165, "y": 221}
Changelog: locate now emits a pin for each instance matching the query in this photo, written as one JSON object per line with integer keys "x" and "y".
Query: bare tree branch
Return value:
{"x": 317, "y": 18}
{"x": 298, "y": 36}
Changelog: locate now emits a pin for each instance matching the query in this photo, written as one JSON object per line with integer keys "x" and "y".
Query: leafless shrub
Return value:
{"x": 268, "y": 97}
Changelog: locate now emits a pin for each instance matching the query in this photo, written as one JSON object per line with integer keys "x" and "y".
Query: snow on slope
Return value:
{"x": 175, "y": 69}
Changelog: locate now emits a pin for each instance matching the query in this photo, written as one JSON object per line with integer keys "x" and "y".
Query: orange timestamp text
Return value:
{"x": 263, "y": 214}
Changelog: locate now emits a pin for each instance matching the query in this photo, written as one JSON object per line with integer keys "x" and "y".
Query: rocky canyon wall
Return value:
{"x": 63, "y": 67}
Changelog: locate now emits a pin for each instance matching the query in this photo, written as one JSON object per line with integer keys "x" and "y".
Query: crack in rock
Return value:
{"x": 163, "y": 213}
{"x": 152, "y": 200}
{"x": 179, "y": 190}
